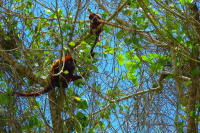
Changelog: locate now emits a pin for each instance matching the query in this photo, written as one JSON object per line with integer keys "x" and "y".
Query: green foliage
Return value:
{"x": 83, "y": 119}
{"x": 120, "y": 59}
{"x": 130, "y": 56}
{"x": 121, "y": 34}
{"x": 109, "y": 50}
{"x": 126, "y": 107}
{"x": 158, "y": 66}
{"x": 135, "y": 54}
{"x": 128, "y": 40}
{"x": 102, "y": 125}
{"x": 120, "y": 109}
{"x": 152, "y": 56}
{"x": 116, "y": 68}
{"x": 106, "y": 29}
{"x": 198, "y": 106}
{"x": 65, "y": 72}
{"x": 145, "y": 58}
{"x": 192, "y": 113}
{"x": 179, "y": 39}
{"x": 186, "y": 83}
{"x": 82, "y": 104}
{"x": 195, "y": 71}
{"x": 69, "y": 92}
{"x": 132, "y": 77}
{"x": 72, "y": 43}
{"x": 99, "y": 88}
{"x": 60, "y": 13}
{"x": 5, "y": 99}
{"x": 33, "y": 123}
{"x": 91, "y": 130}
{"x": 131, "y": 66}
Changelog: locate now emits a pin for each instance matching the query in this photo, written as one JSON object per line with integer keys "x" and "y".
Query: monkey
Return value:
{"x": 66, "y": 78}
{"x": 93, "y": 25}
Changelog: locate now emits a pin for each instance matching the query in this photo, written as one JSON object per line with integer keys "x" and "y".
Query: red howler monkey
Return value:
{"x": 93, "y": 25}
{"x": 66, "y": 78}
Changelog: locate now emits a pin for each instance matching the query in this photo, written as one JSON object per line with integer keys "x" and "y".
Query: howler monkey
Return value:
{"x": 66, "y": 78}
{"x": 93, "y": 25}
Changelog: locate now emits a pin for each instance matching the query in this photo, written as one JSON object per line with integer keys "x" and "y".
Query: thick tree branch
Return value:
{"x": 21, "y": 68}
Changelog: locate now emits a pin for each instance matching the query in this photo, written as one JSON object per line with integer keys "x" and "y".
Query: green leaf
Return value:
{"x": 182, "y": 2}
{"x": 132, "y": 77}
{"x": 136, "y": 58}
{"x": 180, "y": 124}
{"x": 161, "y": 64}
{"x": 192, "y": 113}
{"x": 106, "y": 29}
{"x": 60, "y": 13}
{"x": 82, "y": 104}
{"x": 99, "y": 88}
{"x": 120, "y": 59}
{"x": 116, "y": 68}
{"x": 120, "y": 109}
{"x": 130, "y": 55}
{"x": 65, "y": 72}
{"x": 31, "y": 123}
{"x": 102, "y": 126}
{"x": 107, "y": 116}
{"x": 113, "y": 106}
{"x": 131, "y": 66}
{"x": 189, "y": 1}
{"x": 195, "y": 72}
{"x": 82, "y": 118}
{"x": 96, "y": 126}
{"x": 98, "y": 43}
{"x": 153, "y": 55}
{"x": 98, "y": 103}
{"x": 107, "y": 40}
{"x": 186, "y": 83}
{"x": 83, "y": 42}
{"x": 72, "y": 43}
{"x": 23, "y": 127}
{"x": 31, "y": 14}
{"x": 176, "y": 118}
{"x": 179, "y": 38}
{"x": 4, "y": 100}
{"x": 109, "y": 50}
{"x": 21, "y": 6}
{"x": 53, "y": 15}
{"x": 69, "y": 92}
{"x": 92, "y": 130}
{"x": 146, "y": 59}
{"x": 38, "y": 74}
{"x": 104, "y": 15}
{"x": 198, "y": 106}
{"x": 127, "y": 107}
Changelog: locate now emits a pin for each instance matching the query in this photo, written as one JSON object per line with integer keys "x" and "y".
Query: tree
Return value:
{"x": 144, "y": 76}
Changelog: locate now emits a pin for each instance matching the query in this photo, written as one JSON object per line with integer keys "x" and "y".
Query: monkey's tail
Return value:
{"x": 34, "y": 94}
{"x": 91, "y": 52}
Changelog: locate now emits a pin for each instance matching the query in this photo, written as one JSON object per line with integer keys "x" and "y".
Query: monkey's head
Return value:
{"x": 70, "y": 63}
{"x": 93, "y": 18}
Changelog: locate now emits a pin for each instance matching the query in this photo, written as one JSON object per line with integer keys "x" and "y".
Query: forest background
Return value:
{"x": 144, "y": 76}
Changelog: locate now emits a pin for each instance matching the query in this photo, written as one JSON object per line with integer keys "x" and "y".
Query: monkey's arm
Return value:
{"x": 91, "y": 31}
{"x": 76, "y": 77}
